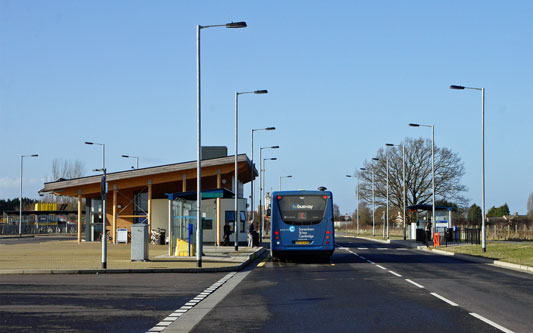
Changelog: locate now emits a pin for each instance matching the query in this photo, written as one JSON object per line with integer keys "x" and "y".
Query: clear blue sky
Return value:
{"x": 344, "y": 78}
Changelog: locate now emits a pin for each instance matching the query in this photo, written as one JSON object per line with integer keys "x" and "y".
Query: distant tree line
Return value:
{"x": 14, "y": 204}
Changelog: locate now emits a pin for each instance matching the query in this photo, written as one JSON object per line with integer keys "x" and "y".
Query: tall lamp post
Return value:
{"x": 236, "y": 181}
{"x": 252, "y": 189}
{"x": 387, "y": 157}
{"x": 358, "y": 179}
{"x": 432, "y": 171}
{"x": 290, "y": 176}
{"x": 374, "y": 199}
{"x": 263, "y": 186}
{"x": 20, "y": 198}
{"x": 483, "y": 228}
{"x": 404, "y": 194}
{"x": 199, "y": 137}
{"x": 135, "y": 157}
{"x": 104, "y": 197}
{"x": 261, "y": 218}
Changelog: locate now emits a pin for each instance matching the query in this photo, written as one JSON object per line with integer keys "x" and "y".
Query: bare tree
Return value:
{"x": 530, "y": 205}
{"x": 448, "y": 172}
{"x": 64, "y": 170}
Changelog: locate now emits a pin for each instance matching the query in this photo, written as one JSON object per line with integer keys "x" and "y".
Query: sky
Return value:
{"x": 344, "y": 78}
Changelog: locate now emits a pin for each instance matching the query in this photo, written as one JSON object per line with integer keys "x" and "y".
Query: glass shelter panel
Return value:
{"x": 183, "y": 214}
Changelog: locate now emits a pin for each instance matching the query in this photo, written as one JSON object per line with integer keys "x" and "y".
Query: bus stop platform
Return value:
{"x": 71, "y": 257}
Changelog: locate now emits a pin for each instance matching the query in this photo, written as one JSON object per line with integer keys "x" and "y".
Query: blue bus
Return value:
{"x": 302, "y": 224}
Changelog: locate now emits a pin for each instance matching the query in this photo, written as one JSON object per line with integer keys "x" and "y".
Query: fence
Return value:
{"x": 39, "y": 224}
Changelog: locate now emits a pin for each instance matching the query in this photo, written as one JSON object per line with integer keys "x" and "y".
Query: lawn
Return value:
{"x": 513, "y": 252}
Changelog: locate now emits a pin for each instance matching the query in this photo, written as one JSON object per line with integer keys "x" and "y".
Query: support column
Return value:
{"x": 114, "y": 233}
{"x": 79, "y": 216}
{"x": 184, "y": 184}
{"x": 219, "y": 213}
{"x": 149, "y": 207}
{"x": 169, "y": 227}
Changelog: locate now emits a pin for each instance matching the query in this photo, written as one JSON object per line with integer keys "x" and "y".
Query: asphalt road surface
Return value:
{"x": 94, "y": 303}
{"x": 367, "y": 286}
{"x": 376, "y": 288}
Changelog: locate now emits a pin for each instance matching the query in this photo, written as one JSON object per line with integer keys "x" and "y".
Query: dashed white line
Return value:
{"x": 370, "y": 261}
{"x": 382, "y": 248}
{"x": 362, "y": 248}
{"x": 491, "y": 323}
{"x": 413, "y": 282}
{"x": 394, "y": 273}
{"x": 380, "y": 267}
{"x": 444, "y": 299}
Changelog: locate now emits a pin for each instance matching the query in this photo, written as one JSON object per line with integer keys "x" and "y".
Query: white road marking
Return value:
{"x": 444, "y": 299}
{"x": 380, "y": 267}
{"x": 394, "y": 273}
{"x": 190, "y": 304}
{"x": 164, "y": 323}
{"x": 362, "y": 248}
{"x": 370, "y": 261}
{"x": 491, "y": 323}
{"x": 416, "y": 284}
{"x": 382, "y": 248}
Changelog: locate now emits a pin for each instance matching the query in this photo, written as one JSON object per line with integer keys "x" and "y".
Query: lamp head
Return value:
{"x": 273, "y": 158}
{"x": 375, "y": 158}
{"x": 270, "y": 128}
{"x": 35, "y": 155}
{"x": 261, "y": 92}
{"x": 389, "y": 145}
{"x": 234, "y": 25}
{"x": 289, "y": 176}
{"x": 457, "y": 87}
{"x": 362, "y": 169}
{"x": 89, "y": 143}
{"x": 125, "y": 156}
{"x": 348, "y": 176}
{"x": 274, "y": 147}
{"x": 414, "y": 125}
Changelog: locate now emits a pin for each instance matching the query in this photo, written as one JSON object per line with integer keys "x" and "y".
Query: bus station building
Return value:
{"x": 164, "y": 197}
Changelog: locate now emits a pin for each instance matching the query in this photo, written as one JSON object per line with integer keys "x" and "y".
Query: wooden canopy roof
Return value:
{"x": 170, "y": 178}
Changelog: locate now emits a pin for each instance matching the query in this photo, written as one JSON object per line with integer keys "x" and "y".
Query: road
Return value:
{"x": 94, "y": 303}
{"x": 376, "y": 288}
{"x": 367, "y": 286}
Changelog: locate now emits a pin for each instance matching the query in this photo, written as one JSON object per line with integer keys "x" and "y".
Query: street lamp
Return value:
{"x": 373, "y": 199}
{"x": 252, "y": 169}
{"x": 262, "y": 187}
{"x": 199, "y": 138}
{"x": 135, "y": 157}
{"x": 236, "y": 182}
{"x": 483, "y": 228}
{"x": 262, "y": 220}
{"x": 432, "y": 169}
{"x": 104, "y": 197}
{"x": 20, "y": 198}
{"x": 387, "y": 157}
{"x": 358, "y": 179}
{"x": 280, "y": 180}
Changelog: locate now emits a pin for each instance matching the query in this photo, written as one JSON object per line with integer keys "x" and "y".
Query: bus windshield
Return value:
{"x": 302, "y": 210}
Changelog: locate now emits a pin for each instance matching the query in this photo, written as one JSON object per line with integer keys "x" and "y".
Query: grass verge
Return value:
{"x": 513, "y": 252}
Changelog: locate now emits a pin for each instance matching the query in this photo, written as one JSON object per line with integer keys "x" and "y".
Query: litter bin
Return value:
{"x": 162, "y": 235}
{"x": 139, "y": 242}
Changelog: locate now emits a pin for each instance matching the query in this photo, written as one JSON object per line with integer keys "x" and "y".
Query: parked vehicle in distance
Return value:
{"x": 302, "y": 224}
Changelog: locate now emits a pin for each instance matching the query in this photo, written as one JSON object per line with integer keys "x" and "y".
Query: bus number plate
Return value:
{"x": 302, "y": 242}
